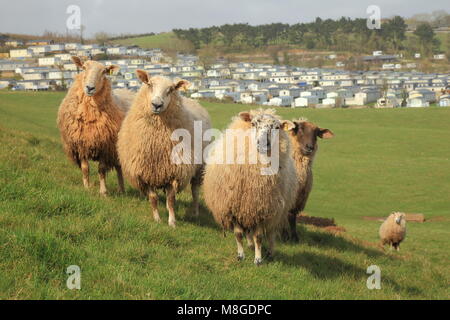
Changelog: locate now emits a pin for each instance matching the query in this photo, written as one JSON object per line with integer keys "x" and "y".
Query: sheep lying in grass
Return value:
{"x": 89, "y": 119}
{"x": 242, "y": 198}
{"x": 145, "y": 145}
{"x": 393, "y": 230}
{"x": 304, "y": 147}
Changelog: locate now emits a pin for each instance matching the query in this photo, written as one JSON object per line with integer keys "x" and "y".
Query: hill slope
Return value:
{"x": 380, "y": 161}
{"x": 167, "y": 41}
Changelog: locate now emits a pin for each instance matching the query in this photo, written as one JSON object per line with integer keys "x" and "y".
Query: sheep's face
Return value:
{"x": 264, "y": 125}
{"x": 306, "y": 134}
{"x": 94, "y": 75}
{"x": 160, "y": 90}
{"x": 399, "y": 217}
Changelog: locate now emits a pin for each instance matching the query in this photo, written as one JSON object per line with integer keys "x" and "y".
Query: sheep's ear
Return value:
{"x": 245, "y": 116}
{"x": 142, "y": 75}
{"x": 77, "y": 61}
{"x": 325, "y": 134}
{"x": 112, "y": 69}
{"x": 287, "y": 125}
{"x": 182, "y": 85}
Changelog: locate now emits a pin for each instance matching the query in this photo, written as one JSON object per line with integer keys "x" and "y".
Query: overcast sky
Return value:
{"x": 143, "y": 16}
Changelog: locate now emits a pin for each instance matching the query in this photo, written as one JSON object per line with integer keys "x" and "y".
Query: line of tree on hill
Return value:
{"x": 344, "y": 34}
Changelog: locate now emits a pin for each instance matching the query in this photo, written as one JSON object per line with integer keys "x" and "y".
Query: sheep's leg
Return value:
{"x": 120, "y": 179}
{"x": 195, "y": 189}
{"x": 250, "y": 242}
{"x": 85, "y": 171}
{"x": 239, "y": 234}
{"x": 102, "y": 177}
{"x": 170, "y": 203}
{"x": 153, "y": 197}
{"x": 396, "y": 246}
{"x": 292, "y": 217}
{"x": 257, "y": 239}
{"x": 270, "y": 251}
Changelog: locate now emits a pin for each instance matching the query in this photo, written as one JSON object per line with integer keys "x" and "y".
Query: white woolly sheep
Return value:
{"x": 145, "y": 146}
{"x": 393, "y": 230}
{"x": 240, "y": 197}
{"x": 89, "y": 119}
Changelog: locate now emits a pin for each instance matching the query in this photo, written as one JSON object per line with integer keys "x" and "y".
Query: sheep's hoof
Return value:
{"x": 172, "y": 223}
{"x": 157, "y": 219}
{"x": 104, "y": 194}
{"x": 258, "y": 261}
{"x": 269, "y": 256}
{"x": 240, "y": 256}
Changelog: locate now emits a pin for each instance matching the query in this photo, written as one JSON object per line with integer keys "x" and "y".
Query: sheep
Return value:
{"x": 89, "y": 119}
{"x": 304, "y": 147}
{"x": 145, "y": 145}
{"x": 240, "y": 197}
{"x": 393, "y": 230}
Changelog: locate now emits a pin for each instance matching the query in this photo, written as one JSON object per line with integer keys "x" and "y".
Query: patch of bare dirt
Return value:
{"x": 325, "y": 223}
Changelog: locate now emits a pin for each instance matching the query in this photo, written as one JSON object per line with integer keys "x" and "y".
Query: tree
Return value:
{"x": 60, "y": 67}
{"x": 207, "y": 55}
{"x": 395, "y": 31}
{"x": 425, "y": 33}
{"x": 448, "y": 47}
{"x": 273, "y": 52}
{"x": 82, "y": 28}
{"x": 101, "y": 38}
{"x": 286, "y": 59}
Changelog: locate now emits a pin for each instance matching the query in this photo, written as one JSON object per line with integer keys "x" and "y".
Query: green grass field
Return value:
{"x": 379, "y": 161}
{"x": 165, "y": 41}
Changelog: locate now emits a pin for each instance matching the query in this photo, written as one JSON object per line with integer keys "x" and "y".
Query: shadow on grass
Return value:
{"x": 324, "y": 239}
{"x": 325, "y": 267}
{"x": 182, "y": 207}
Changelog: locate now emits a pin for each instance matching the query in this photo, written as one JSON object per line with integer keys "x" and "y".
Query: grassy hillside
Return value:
{"x": 379, "y": 161}
{"x": 167, "y": 41}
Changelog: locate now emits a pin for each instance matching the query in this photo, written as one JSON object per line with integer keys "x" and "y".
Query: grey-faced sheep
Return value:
{"x": 145, "y": 145}
{"x": 304, "y": 148}
{"x": 89, "y": 120}
{"x": 393, "y": 230}
{"x": 241, "y": 198}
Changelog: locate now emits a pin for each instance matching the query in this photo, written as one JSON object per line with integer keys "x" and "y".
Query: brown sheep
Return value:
{"x": 241, "y": 198}
{"x": 89, "y": 120}
{"x": 145, "y": 145}
{"x": 393, "y": 230}
{"x": 304, "y": 148}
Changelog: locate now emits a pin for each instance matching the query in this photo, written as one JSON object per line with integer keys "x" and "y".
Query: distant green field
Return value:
{"x": 443, "y": 38}
{"x": 379, "y": 161}
{"x": 166, "y": 41}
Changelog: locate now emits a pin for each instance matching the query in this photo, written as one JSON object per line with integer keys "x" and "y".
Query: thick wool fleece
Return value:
{"x": 392, "y": 233}
{"x": 240, "y": 194}
{"x": 145, "y": 145}
{"x": 89, "y": 125}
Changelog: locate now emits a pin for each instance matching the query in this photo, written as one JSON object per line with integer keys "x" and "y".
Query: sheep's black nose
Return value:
{"x": 89, "y": 89}
{"x": 157, "y": 106}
